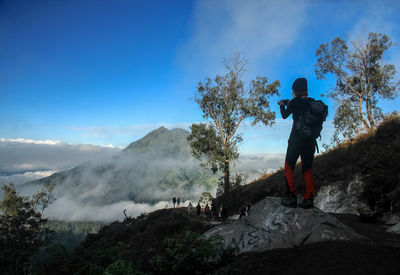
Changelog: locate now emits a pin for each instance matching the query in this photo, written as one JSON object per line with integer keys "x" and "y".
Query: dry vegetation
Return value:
{"x": 374, "y": 156}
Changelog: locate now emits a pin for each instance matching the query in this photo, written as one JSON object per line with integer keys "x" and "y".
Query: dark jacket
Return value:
{"x": 295, "y": 107}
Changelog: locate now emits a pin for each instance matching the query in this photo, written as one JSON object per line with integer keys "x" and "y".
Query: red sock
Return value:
{"x": 309, "y": 180}
{"x": 289, "y": 174}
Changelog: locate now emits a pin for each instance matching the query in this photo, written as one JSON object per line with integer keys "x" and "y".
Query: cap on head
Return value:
{"x": 300, "y": 87}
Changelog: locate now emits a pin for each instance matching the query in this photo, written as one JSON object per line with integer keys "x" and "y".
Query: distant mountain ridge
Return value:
{"x": 162, "y": 142}
{"x": 153, "y": 168}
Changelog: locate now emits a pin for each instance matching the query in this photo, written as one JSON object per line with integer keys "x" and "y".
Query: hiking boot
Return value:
{"x": 290, "y": 200}
{"x": 307, "y": 203}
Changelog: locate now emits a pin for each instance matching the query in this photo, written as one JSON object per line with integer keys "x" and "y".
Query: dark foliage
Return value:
{"x": 188, "y": 253}
{"x": 134, "y": 241}
{"x": 21, "y": 228}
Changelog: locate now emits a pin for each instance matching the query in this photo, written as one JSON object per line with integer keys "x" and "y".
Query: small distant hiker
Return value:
{"x": 220, "y": 212}
{"x": 207, "y": 210}
{"x": 198, "y": 209}
{"x": 190, "y": 208}
{"x": 242, "y": 212}
{"x": 224, "y": 213}
{"x": 248, "y": 208}
{"x": 213, "y": 210}
{"x": 308, "y": 115}
{"x": 174, "y": 201}
{"x": 178, "y": 202}
{"x": 383, "y": 205}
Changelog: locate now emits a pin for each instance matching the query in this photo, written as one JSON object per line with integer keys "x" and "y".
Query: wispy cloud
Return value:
{"x": 378, "y": 17}
{"x": 25, "y": 159}
{"x": 133, "y": 131}
{"x": 262, "y": 29}
{"x": 19, "y": 178}
{"x": 31, "y": 141}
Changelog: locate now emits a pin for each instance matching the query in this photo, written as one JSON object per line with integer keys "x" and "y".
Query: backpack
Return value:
{"x": 309, "y": 124}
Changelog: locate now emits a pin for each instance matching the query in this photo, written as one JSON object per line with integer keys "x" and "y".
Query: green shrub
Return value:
{"x": 188, "y": 253}
{"x": 119, "y": 267}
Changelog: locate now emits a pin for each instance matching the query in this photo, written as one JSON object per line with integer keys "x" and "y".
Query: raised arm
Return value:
{"x": 286, "y": 109}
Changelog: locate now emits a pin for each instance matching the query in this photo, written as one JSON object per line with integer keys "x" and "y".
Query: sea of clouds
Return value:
{"x": 22, "y": 161}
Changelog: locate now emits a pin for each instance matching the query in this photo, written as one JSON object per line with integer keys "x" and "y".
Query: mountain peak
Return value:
{"x": 162, "y": 142}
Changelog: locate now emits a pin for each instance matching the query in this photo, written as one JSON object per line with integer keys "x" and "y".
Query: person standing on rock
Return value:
{"x": 308, "y": 116}
{"x": 178, "y": 202}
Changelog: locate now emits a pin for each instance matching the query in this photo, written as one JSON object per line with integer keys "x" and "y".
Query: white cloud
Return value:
{"x": 379, "y": 17}
{"x": 31, "y": 141}
{"x": 18, "y": 179}
{"x": 262, "y": 29}
{"x": 112, "y": 146}
{"x": 135, "y": 131}
{"x": 72, "y": 210}
{"x": 25, "y": 159}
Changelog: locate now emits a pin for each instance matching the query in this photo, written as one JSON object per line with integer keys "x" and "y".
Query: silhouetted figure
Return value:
{"x": 198, "y": 209}
{"x": 383, "y": 205}
{"x": 207, "y": 210}
{"x": 242, "y": 212}
{"x": 190, "y": 208}
{"x": 213, "y": 211}
{"x": 178, "y": 202}
{"x": 300, "y": 144}
{"x": 220, "y": 212}
{"x": 224, "y": 213}
{"x": 248, "y": 208}
{"x": 174, "y": 201}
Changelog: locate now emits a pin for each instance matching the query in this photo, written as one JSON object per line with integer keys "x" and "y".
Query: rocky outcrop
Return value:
{"x": 271, "y": 225}
{"x": 340, "y": 197}
{"x": 394, "y": 229}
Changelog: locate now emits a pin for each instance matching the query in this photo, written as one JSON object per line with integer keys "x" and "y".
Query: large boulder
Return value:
{"x": 271, "y": 225}
{"x": 340, "y": 196}
{"x": 394, "y": 229}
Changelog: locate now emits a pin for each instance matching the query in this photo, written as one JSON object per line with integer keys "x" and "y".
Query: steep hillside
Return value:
{"x": 372, "y": 158}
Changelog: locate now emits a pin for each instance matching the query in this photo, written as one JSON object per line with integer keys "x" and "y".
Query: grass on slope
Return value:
{"x": 374, "y": 156}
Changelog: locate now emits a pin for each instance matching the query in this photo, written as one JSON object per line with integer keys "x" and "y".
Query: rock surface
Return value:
{"x": 340, "y": 197}
{"x": 271, "y": 225}
{"x": 394, "y": 229}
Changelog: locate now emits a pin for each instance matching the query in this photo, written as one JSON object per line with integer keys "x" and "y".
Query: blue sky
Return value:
{"x": 107, "y": 72}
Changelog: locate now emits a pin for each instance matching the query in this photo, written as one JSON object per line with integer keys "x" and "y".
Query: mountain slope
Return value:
{"x": 162, "y": 143}
{"x": 154, "y": 168}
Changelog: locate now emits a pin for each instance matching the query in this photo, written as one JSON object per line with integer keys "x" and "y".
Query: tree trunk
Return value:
{"x": 369, "y": 112}
{"x": 360, "y": 109}
{"x": 227, "y": 184}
